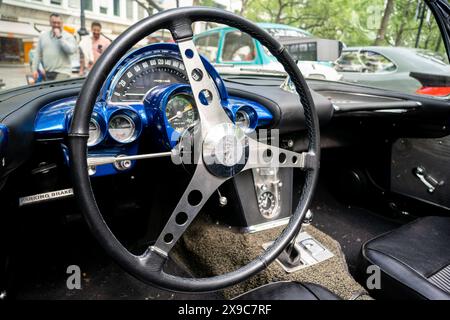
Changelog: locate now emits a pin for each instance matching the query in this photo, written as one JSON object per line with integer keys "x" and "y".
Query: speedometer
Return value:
{"x": 146, "y": 74}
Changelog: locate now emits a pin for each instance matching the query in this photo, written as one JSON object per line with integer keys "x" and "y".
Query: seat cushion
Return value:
{"x": 289, "y": 291}
{"x": 414, "y": 260}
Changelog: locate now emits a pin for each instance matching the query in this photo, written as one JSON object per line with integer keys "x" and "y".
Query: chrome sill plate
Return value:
{"x": 311, "y": 252}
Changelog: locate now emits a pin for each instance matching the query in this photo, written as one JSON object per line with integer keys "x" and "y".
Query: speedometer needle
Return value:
{"x": 180, "y": 113}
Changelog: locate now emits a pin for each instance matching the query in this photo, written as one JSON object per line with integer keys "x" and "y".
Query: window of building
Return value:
{"x": 103, "y": 10}
{"x": 73, "y": 4}
{"x": 116, "y": 7}
{"x": 57, "y": 2}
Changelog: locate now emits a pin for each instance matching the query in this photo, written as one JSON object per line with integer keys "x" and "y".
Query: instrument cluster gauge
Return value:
{"x": 146, "y": 74}
{"x": 95, "y": 133}
{"x": 181, "y": 112}
{"x": 122, "y": 128}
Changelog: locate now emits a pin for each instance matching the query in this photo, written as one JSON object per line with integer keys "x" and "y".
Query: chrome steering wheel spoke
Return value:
{"x": 202, "y": 185}
{"x": 264, "y": 156}
{"x": 204, "y": 90}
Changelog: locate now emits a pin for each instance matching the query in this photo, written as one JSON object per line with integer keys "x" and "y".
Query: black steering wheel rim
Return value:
{"x": 179, "y": 21}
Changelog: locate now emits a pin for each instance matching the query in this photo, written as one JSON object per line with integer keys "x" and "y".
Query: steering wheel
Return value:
{"x": 221, "y": 150}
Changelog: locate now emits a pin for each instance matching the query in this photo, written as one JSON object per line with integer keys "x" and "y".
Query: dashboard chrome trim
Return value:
{"x": 149, "y": 51}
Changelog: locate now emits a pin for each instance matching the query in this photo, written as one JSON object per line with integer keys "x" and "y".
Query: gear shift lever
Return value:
{"x": 291, "y": 256}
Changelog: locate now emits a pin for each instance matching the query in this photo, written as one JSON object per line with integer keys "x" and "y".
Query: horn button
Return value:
{"x": 225, "y": 150}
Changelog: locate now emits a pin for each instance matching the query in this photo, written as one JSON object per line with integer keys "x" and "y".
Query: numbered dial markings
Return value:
{"x": 181, "y": 112}
{"x": 146, "y": 74}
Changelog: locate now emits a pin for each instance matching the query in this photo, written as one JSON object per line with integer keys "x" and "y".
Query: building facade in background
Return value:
{"x": 21, "y": 21}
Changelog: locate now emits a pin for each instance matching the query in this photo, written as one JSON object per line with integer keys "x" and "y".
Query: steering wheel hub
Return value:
{"x": 225, "y": 150}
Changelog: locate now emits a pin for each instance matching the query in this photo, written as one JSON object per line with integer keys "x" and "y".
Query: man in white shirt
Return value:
{"x": 54, "y": 50}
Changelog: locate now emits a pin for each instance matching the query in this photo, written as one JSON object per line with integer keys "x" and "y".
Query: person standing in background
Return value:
{"x": 92, "y": 47}
{"x": 54, "y": 51}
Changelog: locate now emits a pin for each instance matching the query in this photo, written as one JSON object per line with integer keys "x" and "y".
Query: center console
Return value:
{"x": 262, "y": 197}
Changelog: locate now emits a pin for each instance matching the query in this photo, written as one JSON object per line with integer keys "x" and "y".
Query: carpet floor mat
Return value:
{"x": 214, "y": 249}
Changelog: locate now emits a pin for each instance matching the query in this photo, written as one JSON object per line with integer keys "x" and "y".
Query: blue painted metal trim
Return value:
{"x": 53, "y": 120}
{"x": 156, "y": 101}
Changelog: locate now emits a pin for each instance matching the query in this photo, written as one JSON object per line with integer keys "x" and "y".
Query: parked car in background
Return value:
{"x": 232, "y": 51}
{"x": 391, "y": 68}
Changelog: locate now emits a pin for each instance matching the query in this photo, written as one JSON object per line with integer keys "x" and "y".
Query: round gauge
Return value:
{"x": 95, "y": 133}
{"x": 122, "y": 128}
{"x": 266, "y": 204}
{"x": 242, "y": 120}
{"x": 145, "y": 74}
{"x": 181, "y": 112}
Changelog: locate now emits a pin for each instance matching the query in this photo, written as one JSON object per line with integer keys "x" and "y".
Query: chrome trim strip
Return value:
{"x": 264, "y": 226}
{"x": 46, "y": 196}
{"x": 97, "y": 161}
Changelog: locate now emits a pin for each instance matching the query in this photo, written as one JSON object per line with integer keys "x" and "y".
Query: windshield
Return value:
{"x": 389, "y": 44}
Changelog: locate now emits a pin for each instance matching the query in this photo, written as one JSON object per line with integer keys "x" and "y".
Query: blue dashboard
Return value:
{"x": 147, "y": 91}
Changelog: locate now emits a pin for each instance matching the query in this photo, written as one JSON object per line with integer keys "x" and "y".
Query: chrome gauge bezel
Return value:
{"x": 187, "y": 96}
{"x": 250, "y": 116}
{"x": 246, "y": 117}
{"x": 99, "y": 133}
{"x": 134, "y": 133}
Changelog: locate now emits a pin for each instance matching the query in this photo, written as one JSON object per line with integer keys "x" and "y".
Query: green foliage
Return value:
{"x": 354, "y": 22}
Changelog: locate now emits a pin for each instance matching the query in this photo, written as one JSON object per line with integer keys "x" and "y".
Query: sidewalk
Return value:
{"x": 14, "y": 75}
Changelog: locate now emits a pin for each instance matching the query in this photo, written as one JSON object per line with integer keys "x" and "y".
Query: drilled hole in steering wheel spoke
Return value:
{"x": 168, "y": 238}
{"x": 197, "y": 74}
{"x": 282, "y": 157}
{"x": 181, "y": 218}
{"x": 205, "y": 96}
{"x": 189, "y": 53}
{"x": 195, "y": 198}
{"x": 267, "y": 155}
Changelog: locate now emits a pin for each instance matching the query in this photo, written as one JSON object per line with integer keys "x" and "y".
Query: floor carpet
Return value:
{"x": 214, "y": 249}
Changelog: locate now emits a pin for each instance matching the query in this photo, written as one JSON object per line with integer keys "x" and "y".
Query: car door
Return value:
{"x": 368, "y": 67}
{"x": 239, "y": 48}
{"x": 208, "y": 45}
